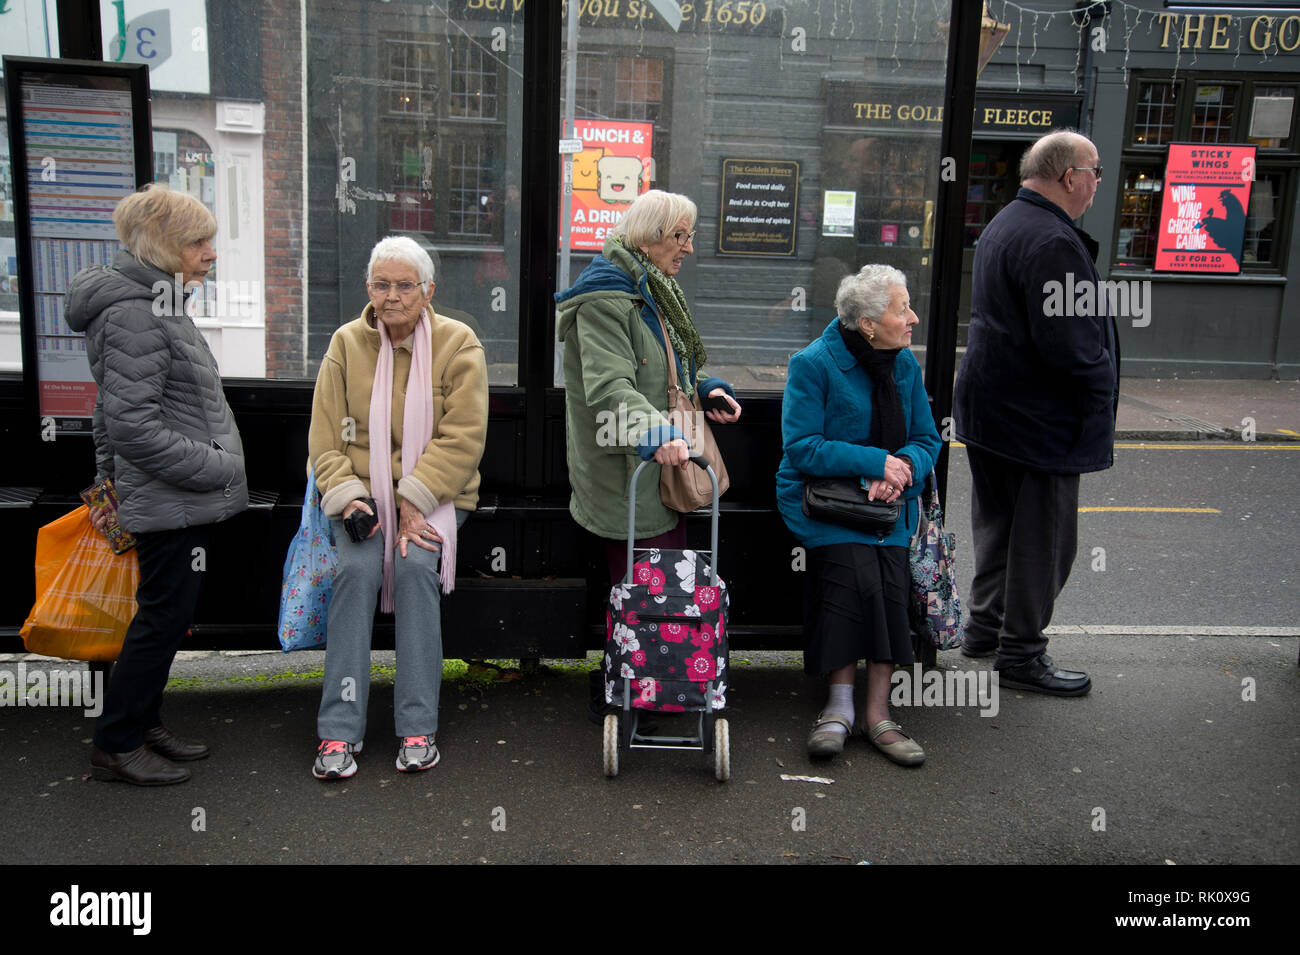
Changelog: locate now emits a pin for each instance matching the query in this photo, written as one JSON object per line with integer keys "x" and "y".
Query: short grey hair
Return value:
{"x": 867, "y": 293}
{"x": 653, "y": 216}
{"x": 1049, "y": 157}
{"x": 401, "y": 248}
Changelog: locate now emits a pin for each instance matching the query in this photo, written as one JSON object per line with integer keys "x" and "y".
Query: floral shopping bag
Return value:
{"x": 936, "y": 605}
{"x": 666, "y": 631}
{"x": 308, "y": 581}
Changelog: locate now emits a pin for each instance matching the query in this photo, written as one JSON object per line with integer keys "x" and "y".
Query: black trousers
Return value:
{"x": 1026, "y": 531}
{"x": 171, "y": 576}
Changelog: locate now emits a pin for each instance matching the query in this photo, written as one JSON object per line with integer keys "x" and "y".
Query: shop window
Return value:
{"x": 412, "y": 78}
{"x": 458, "y": 158}
{"x": 625, "y": 88}
{"x": 1212, "y": 114}
{"x": 474, "y": 76}
{"x": 1262, "y": 218}
{"x": 1157, "y": 106}
{"x": 1208, "y": 108}
{"x": 411, "y": 168}
{"x": 414, "y": 128}
{"x": 472, "y": 191}
{"x": 639, "y": 88}
{"x": 994, "y": 180}
{"x": 1139, "y": 215}
{"x": 892, "y": 195}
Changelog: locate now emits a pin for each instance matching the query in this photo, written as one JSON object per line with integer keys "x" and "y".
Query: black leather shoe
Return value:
{"x": 975, "y": 651}
{"x": 176, "y": 748}
{"x": 140, "y": 767}
{"x": 1040, "y": 675}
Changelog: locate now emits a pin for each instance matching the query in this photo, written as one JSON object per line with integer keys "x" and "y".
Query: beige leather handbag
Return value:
{"x": 687, "y": 489}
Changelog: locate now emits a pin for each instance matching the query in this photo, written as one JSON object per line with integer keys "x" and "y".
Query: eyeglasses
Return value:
{"x": 403, "y": 288}
{"x": 1096, "y": 170}
{"x": 682, "y": 238}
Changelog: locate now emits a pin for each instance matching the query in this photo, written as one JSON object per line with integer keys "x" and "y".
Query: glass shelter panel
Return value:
{"x": 807, "y": 133}
{"x": 413, "y": 128}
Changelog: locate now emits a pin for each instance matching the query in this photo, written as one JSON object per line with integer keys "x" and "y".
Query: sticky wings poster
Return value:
{"x": 613, "y": 168}
{"x": 1202, "y": 223}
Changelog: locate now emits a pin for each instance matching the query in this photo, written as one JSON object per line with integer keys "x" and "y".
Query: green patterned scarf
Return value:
{"x": 671, "y": 302}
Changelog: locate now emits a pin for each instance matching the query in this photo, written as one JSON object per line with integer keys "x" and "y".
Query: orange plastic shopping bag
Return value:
{"x": 85, "y": 594}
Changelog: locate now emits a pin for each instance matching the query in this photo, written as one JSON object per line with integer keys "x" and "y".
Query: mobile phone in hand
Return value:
{"x": 718, "y": 403}
{"x": 359, "y": 524}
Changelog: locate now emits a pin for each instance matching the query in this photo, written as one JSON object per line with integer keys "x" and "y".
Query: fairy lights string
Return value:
{"x": 1130, "y": 17}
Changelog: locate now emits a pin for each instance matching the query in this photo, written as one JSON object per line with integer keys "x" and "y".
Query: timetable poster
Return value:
{"x": 1203, "y": 210}
{"x": 613, "y": 168}
{"x": 79, "y": 146}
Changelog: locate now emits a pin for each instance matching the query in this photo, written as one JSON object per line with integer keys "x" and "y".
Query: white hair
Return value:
{"x": 867, "y": 293}
{"x": 653, "y": 216}
{"x": 400, "y": 248}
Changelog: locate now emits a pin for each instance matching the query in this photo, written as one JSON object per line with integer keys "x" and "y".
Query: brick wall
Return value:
{"x": 282, "y": 169}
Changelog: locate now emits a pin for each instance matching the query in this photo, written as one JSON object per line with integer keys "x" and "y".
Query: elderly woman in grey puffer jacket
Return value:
{"x": 167, "y": 438}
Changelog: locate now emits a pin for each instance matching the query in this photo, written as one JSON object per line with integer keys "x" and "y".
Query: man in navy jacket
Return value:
{"x": 1035, "y": 405}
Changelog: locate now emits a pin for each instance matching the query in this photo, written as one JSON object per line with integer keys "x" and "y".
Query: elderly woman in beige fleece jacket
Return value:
{"x": 418, "y": 379}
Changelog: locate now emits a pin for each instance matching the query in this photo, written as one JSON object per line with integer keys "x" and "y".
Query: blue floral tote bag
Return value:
{"x": 308, "y": 581}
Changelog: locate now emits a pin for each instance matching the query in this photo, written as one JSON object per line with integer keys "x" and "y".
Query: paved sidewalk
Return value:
{"x": 1164, "y": 761}
{"x": 1161, "y": 409}
{"x": 1166, "y": 409}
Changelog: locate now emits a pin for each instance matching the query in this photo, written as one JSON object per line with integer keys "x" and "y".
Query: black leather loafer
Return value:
{"x": 140, "y": 767}
{"x": 1041, "y": 675}
{"x": 176, "y": 748}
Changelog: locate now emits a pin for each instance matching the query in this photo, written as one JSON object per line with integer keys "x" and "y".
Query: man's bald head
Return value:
{"x": 1051, "y": 155}
{"x": 1059, "y": 166}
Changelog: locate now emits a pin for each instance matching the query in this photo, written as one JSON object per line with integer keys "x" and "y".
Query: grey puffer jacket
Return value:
{"x": 163, "y": 430}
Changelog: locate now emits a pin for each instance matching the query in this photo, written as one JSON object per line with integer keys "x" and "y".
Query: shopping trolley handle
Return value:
{"x": 703, "y": 464}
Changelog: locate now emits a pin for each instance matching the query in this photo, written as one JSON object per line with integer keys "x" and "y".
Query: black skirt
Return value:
{"x": 856, "y": 607}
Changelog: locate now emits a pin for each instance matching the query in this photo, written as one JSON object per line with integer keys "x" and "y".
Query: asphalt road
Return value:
{"x": 1229, "y": 554}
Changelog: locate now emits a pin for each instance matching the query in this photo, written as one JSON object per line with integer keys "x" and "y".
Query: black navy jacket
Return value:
{"x": 1039, "y": 383}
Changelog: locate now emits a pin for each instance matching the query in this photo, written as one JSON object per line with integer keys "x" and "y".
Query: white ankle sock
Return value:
{"x": 841, "y": 701}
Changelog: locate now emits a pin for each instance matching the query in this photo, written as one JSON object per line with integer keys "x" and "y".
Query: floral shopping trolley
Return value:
{"x": 666, "y": 645}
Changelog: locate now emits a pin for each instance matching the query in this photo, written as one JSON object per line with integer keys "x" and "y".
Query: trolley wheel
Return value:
{"x": 721, "y": 751}
{"x": 611, "y": 744}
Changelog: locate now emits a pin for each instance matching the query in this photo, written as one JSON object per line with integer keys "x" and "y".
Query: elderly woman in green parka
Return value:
{"x": 616, "y": 375}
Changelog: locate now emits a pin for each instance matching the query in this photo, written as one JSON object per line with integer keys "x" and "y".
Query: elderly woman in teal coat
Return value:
{"x": 855, "y": 406}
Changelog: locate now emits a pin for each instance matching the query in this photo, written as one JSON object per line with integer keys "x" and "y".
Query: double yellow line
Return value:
{"x": 1151, "y": 510}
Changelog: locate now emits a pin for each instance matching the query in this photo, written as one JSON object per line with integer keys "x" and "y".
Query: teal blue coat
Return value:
{"x": 825, "y": 427}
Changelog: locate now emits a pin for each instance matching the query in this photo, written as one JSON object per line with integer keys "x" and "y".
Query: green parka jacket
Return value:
{"x": 616, "y": 395}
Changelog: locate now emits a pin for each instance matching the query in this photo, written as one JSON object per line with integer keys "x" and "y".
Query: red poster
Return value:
{"x": 611, "y": 171}
{"x": 1203, "y": 211}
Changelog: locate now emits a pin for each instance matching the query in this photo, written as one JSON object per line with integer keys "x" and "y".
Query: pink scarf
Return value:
{"x": 417, "y": 431}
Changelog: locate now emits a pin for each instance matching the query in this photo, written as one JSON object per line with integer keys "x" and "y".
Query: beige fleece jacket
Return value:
{"x": 339, "y": 438}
